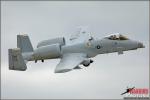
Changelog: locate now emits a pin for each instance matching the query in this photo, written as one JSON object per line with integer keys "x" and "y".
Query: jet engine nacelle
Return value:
{"x": 60, "y": 41}
{"x": 47, "y": 52}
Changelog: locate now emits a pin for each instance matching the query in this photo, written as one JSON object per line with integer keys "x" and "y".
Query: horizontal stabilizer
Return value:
{"x": 16, "y": 61}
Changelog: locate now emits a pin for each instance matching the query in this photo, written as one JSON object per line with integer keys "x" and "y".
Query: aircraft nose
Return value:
{"x": 140, "y": 45}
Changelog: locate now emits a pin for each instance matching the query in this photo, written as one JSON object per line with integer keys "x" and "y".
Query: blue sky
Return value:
{"x": 106, "y": 78}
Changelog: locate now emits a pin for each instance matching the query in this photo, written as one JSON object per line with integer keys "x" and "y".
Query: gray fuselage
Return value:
{"x": 91, "y": 48}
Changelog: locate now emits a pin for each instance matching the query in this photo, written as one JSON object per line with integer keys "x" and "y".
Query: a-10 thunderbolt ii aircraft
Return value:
{"x": 71, "y": 55}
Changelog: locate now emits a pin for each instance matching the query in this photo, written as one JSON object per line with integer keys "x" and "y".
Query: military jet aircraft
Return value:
{"x": 71, "y": 55}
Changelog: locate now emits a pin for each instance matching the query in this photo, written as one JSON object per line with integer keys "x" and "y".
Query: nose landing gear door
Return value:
{"x": 120, "y": 50}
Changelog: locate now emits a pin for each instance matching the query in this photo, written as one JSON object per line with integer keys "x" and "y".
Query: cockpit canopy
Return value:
{"x": 116, "y": 37}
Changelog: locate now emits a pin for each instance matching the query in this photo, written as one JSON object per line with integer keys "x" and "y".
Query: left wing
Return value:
{"x": 69, "y": 61}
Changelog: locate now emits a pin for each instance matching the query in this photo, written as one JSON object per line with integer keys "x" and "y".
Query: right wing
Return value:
{"x": 70, "y": 61}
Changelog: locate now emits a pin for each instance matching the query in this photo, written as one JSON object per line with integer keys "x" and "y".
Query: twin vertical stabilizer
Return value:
{"x": 16, "y": 61}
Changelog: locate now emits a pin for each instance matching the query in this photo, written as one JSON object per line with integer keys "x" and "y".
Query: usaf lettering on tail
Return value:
{"x": 71, "y": 55}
